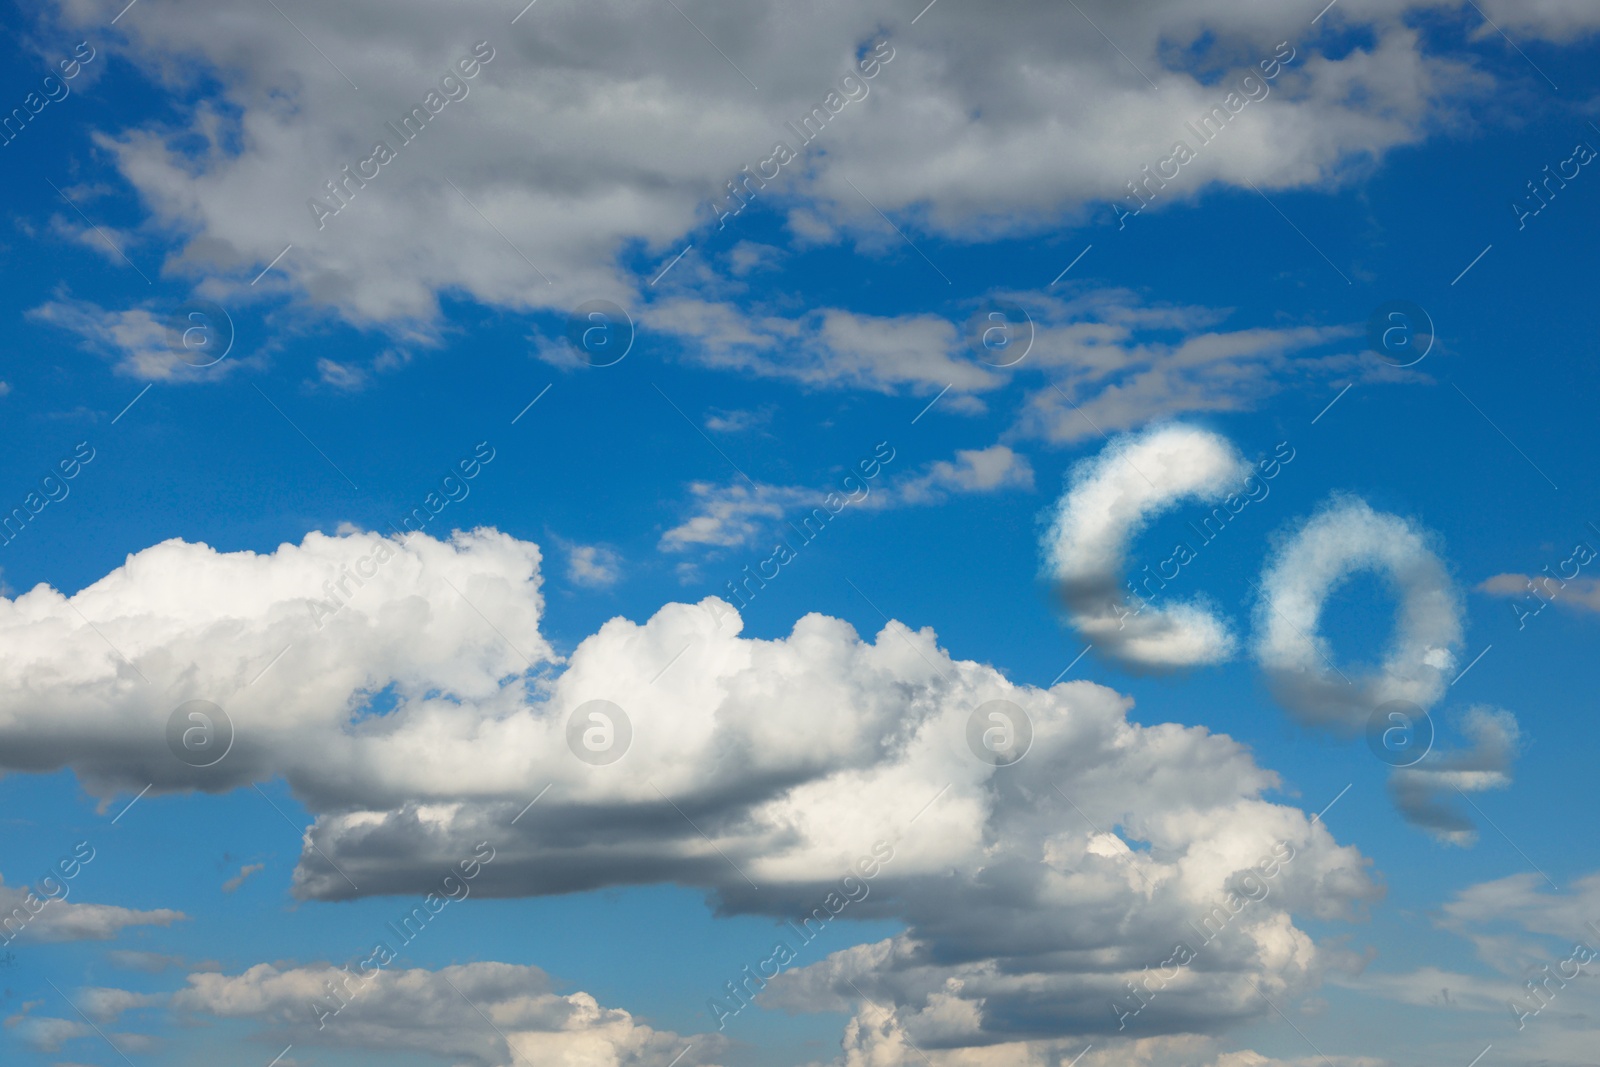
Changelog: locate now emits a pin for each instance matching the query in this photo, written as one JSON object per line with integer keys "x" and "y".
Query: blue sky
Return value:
{"x": 773, "y": 360}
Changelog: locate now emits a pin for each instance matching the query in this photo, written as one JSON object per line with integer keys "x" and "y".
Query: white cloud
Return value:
{"x": 741, "y": 513}
{"x": 355, "y": 612}
{"x": 1344, "y": 537}
{"x": 727, "y": 516}
{"x": 141, "y": 343}
{"x": 792, "y": 756}
{"x": 41, "y": 916}
{"x": 1112, "y": 496}
{"x": 438, "y": 1013}
{"x": 595, "y": 566}
{"x": 1528, "y": 937}
{"x": 1579, "y": 594}
{"x": 640, "y": 98}
{"x": 737, "y": 421}
{"x": 105, "y": 1005}
{"x": 828, "y": 347}
{"x": 1559, "y": 21}
{"x": 1117, "y": 363}
{"x": 341, "y": 376}
{"x": 974, "y": 470}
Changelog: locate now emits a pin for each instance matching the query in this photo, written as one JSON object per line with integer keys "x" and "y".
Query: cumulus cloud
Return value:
{"x": 758, "y": 770}
{"x": 592, "y": 91}
{"x": 1110, "y": 499}
{"x": 1013, "y": 899}
{"x": 92, "y": 683}
{"x": 1344, "y": 537}
{"x": 440, "y": 1013}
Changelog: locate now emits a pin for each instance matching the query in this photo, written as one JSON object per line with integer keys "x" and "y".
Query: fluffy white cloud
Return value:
{"x": 600, "y": 128}
{"x": 1344, "y": 537}
{"x": 760, "y": 770}
{"x": 1112, "y": 496}
{"x": 92, "y": 683}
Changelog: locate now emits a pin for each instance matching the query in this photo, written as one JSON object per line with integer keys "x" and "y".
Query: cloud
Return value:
{"x": 1424, "y": 793}
{"x": 440, "y": 1013}
{"x": 1111, "y": 497}
{"x": 826, "y": 348}
{"x": 737, "y": 421}
{"x": 594, "y": 566}
{"x": 105, "y": 1005}
{"x": 1559, "y": 21}
{"x": 974, "y": 470}
{"x": 1009, "y": 893}
{"x": 758, "y": 770}
{"x": 341, "y": 376}
{"x": 1577, "y": 594}
{"x": 245, "y": 872}
{"x": 1344, "y": 537}
{"x": 93, "y": 683}
{"x": 47, "y": 1034}
{"x": 1528, "y": 935}
{"x": 740, "y": 513}
{"x": 1117, "y": 363}
{"x": 43, "y": 917}
{"x": 141, "y": 344}
{"x": 727, "y": 516}
{"x": 231, "y": 175}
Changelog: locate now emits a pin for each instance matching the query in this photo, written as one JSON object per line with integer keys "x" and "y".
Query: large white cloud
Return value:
{"x": 92, "y": 682}
{"x": 596, "y": 137}
{"x": 759, "y": 770}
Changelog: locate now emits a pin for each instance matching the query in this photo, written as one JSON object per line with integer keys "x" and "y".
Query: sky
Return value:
{"x": 871, "y": 534}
